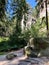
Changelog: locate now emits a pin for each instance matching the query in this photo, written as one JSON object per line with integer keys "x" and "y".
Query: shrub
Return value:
{"x": 37, "y": 29}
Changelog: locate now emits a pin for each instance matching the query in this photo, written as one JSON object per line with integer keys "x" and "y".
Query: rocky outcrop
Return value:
{"x": 37, "y": 47}
{"x": 45, "y": 52}
{"x": 30, "y": 52}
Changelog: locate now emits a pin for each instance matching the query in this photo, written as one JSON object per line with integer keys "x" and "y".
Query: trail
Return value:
{"x": 23, "y": 60}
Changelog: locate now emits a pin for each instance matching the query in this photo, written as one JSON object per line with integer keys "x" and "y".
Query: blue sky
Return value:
{"x": 10, "y": 9}
{"x": 32, "y": 3}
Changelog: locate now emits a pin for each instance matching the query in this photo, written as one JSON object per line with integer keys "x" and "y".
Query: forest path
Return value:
{"x": 23, "y": 60}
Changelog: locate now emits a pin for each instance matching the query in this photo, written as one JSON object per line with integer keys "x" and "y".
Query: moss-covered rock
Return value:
{"x": 11, "y": 56}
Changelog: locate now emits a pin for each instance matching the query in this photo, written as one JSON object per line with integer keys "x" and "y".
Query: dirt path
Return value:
{"x": 23, "y": 60}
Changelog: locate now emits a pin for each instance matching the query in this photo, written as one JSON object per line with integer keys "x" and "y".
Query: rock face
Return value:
{"x": 45, "y": 52}
{"x": 31, "y": 43}
{"x": 30, "y": 52}
{"x": 41, "y": 43}
{"x": 37, "y": 47}
{"x": 11, "y": 56}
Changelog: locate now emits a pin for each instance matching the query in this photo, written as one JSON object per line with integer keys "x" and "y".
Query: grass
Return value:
{"x": 2, "y": 53}
{"x": 4, "y": 39}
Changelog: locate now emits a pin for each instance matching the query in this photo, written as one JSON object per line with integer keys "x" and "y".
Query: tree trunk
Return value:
{"x": 46, "y": 15}
{"x": 22, "y": 24}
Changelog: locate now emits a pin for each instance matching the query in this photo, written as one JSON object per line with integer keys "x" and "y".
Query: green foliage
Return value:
{"x": 17, "y": 40}
{"x": 21, "y": 10}
{"x": 2, "y": 6}
{"x": 26, "y": 35}
{"x": 12, "y": 28}
{"x": 4, "y": 39}
{"x": 38, "y": 29}
{"x": 7, "y": 27}
{"x": 34, "y": 13}
{"x": 34, "y": 31}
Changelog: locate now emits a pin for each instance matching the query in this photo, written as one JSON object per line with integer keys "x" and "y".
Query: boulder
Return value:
{"x": 10, "y": 56}
{"x": 30, "y": 52}
{"x": 37, "y": 47}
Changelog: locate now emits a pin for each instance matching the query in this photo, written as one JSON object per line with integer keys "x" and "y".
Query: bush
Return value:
{"x": 17, "y": 40}
{"x": 38, "y": 30}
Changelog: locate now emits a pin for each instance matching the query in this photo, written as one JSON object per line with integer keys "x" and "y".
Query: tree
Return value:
{"x": 2, "y": 8}
{"x": 21, "y": 10}
{"x": 46, "y": 14}
{"x": 16, "y": 8}
{"x": 10, "y": 10}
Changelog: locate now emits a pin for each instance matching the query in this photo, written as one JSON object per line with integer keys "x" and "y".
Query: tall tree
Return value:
{"x": 46, "y": 14}
{"x": 16, "y": 8}
{"x": 21, "y": 10}
{"x": 2, "y": 8}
